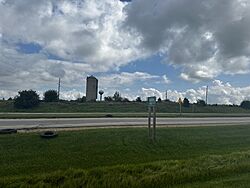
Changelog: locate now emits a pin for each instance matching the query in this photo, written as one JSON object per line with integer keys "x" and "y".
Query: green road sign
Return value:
{"x": 151, "y": 101}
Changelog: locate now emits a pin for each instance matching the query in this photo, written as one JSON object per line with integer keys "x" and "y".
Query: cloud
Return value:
{"x": 205, "y": 38}
{"x": 35, "y": 71}
{"x": 82, "y": 31}
{"x": 125, "y": 79}
{"x": 5, "y": 94}
{"x": 148, "y": 92}
{"x": 166, "y": 79}
{"x": 218, "y": 93}
{"x": 71, "y": 95}
{"x": 57, "y": 70}
{"x": 126, "y": 83}
{"x": 73, "y": 39}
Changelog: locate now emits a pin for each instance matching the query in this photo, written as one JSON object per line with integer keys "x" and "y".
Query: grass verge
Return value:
{"x": 126, "y": 157}
{"x": 200, "y": 172}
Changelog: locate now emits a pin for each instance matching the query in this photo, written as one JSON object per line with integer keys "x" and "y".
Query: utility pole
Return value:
{"x": 166, "y": 95}
{"x": 206, "y": 94}
{"x": 59, "y": 87}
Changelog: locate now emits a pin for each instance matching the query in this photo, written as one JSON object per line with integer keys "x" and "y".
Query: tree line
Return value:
{"x": 30, "y": 99}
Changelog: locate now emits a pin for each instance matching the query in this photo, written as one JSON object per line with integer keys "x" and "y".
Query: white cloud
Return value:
{"x": 33, "y": 71}
{"x": 125, "y": 79}
{"x": 218, "y": 93}
{"x": 166, "y": 79}
{"x": 85, "y": 35}
{"x": 83, "y": 31}
{"x": 71, "y": 95}
{"x": 208, "y": 39}
{"x": 126, "y": 83}
{"x": 149, "y": 92}
{"x": 205, "y": 38}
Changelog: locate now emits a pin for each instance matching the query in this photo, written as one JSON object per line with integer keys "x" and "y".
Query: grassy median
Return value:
{"x": 125, "y": 157}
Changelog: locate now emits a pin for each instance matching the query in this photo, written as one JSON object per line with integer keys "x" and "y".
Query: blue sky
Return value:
{"x": 137, "y": 48}
{"x": 28, "y": 48}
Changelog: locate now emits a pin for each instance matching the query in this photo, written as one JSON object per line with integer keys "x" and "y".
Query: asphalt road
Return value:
{"x": 105, "y": 122}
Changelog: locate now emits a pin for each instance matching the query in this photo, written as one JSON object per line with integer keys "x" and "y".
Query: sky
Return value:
{"x": 139, "y": 48}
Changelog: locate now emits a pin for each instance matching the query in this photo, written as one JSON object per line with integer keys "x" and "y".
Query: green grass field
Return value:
{"x": 118, "y": 108}
{"x": 181, "y": 157}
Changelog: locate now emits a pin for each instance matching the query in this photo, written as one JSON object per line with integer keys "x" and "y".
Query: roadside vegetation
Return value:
{"x": 50, "y": 96}
{"x": 126, "y": 158}
{"x": 28, "y": 101}
{"x": 119, "y": 107}
{"x": 210, "y": 171}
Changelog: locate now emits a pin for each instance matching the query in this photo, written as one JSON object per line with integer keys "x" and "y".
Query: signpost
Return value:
{"x": 180, "y": 103}
{"x": 151, "y": 111}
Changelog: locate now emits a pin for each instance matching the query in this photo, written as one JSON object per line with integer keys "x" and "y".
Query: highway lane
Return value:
{"x": 103, "y": 122}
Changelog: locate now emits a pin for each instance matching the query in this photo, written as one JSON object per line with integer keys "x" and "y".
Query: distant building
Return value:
{"x": 91, "y": 88}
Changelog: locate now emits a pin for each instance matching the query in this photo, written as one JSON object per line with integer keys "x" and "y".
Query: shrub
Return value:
{"x": 138, "y": 99}
{"x": 186, "y": 102}
{"x": 117, "y": 97}
{"x": 245, "y": 104}
{"x": 50, "y": 96}
{"x": 125, "y": 100}
{"x": 108, "y": 99}
{"x": 83, "y": 99}
{"x": 201, "y": 102}
{"x": 26, "y": 99}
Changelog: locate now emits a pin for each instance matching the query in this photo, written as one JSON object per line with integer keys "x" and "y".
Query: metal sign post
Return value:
{"x": 151, "y": 111}
{"x": 180, "y": 103}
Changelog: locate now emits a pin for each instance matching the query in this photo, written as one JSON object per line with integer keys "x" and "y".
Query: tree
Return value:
{"x": 26, "y": 99}
{"x": 125, "y": 100}
{"x": 159, "y": 99}
{"x": 138, "y": 99}
{"x": 201, "y": 102}
{"x": 117, "y": 97}
{"x": 83, "y": 99}
{"x": 245, "y": 104}
{"x": 108, "y": 99}
{"x": 186, "y": 102}
{"x": 79, "y": 99}
{"x": 50, "y": 96}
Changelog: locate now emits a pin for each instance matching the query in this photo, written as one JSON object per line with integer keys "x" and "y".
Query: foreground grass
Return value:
{"x": 229, "y": 170}
{"x": 28, "y": 154}
{"x": 182, "y": 157}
